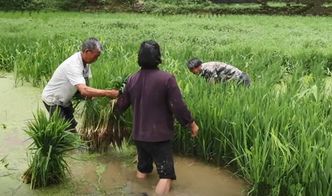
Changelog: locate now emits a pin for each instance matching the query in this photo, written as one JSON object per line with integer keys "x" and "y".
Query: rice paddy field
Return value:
{"x": 276, "y": 134}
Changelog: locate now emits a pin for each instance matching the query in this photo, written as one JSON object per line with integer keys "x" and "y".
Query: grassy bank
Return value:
{"x": 277, "y": 133}
{"x": 266, "y": 7}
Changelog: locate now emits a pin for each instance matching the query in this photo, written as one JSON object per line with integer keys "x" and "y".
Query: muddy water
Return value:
{"x": 92, "y": 174}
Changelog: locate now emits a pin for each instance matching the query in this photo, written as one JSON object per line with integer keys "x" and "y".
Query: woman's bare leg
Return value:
{"x": 140, "y": 175}
{"x": 163, "y": 187}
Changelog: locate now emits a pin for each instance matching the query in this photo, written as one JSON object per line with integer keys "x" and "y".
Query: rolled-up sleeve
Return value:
{"x": 176, "y": 103}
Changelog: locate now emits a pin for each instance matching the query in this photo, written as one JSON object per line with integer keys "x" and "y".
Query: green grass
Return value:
{"x": 277, "y": 133}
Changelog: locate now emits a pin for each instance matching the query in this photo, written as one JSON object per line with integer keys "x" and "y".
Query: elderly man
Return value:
{"x": 217, "y": 71}
{"x": 70, "y": 77}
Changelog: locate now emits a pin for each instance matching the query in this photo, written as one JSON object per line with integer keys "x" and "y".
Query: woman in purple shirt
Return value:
{"x": 155, "y": 99}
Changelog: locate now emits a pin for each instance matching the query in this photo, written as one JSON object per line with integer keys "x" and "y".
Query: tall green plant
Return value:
{"x": 51, "y": 142}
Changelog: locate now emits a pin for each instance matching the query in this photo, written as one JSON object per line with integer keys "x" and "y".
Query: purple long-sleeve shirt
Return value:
{"x": 155, "y": 97}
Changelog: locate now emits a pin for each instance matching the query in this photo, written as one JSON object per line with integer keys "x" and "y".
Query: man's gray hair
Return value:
{"x": 91, "y": 44}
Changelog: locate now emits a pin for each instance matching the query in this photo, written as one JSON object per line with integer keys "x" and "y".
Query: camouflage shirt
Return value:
{"x": 220, "y": 72}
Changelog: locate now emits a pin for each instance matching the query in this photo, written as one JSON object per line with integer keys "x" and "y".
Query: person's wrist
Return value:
{"x": 116, "y": 93}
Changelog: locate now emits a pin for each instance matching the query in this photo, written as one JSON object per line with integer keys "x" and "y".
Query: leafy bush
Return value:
{"x": 21, "y": 5}
{"x": 57, "y": 4}
{"x": 180, "y": 2}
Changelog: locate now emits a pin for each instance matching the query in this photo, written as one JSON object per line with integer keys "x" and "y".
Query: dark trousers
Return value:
{"x": 66, "y": 112}
{"x": 158, "y": 152}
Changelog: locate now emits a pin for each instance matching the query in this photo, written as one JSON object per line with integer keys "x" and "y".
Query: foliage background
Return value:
{"x": 284, "y": 7}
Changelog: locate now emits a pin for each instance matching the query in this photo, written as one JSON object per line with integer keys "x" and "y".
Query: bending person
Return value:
{"x": 217, "y": 71}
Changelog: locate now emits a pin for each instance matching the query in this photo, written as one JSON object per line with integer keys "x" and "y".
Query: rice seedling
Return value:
{"x": 277, "y": 133}
{"x": 50, "y": 144}
{"x": 3, "y": 126}
{"x": 101, "y": 127}
{"x": 4, "y": 167}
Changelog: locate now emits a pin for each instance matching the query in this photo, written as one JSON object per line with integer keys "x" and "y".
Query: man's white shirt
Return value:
{"x": 61, "y": 87}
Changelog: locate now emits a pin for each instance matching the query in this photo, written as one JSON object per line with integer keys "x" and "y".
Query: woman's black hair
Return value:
{"x": 149, "y": 56}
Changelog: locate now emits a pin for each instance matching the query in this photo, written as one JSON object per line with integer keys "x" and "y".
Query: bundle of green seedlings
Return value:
{"x": 100, "y": 125}
{"x": 51, "y": 143}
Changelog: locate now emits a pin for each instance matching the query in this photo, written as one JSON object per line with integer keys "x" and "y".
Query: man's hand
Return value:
{"x": 93, "y": 92}
{"x": 194, "y": 129}
{"x": 112, "y": 93}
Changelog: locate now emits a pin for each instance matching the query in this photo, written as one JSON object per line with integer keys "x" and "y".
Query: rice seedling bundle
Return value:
{"x": 101, "y": 127}
{"x": 50, "y": 144}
